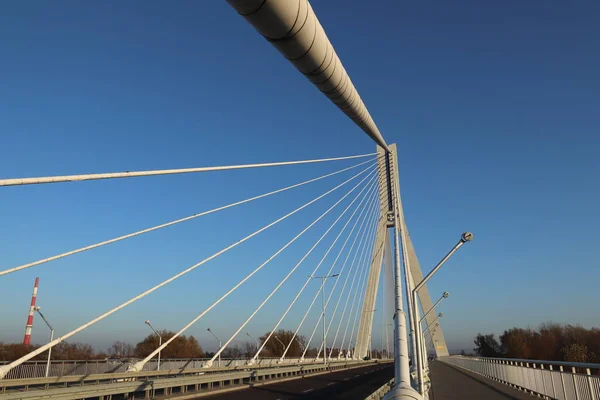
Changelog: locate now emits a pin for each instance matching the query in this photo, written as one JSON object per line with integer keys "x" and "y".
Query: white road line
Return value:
{"x": 331, "y": 383}
{"x": 346, "y": 379}
{"x": 309, "y": 390}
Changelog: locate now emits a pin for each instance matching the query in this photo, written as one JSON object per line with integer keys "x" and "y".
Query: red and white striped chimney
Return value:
{"x": 27, "y": 338}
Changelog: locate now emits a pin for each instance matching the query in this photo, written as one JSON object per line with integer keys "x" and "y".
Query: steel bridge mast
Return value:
{"x": 388, "y": 181}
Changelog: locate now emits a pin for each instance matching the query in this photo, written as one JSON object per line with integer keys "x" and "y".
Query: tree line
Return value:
{"x": 550, "y": 341}
{"x": 181, "y": 347}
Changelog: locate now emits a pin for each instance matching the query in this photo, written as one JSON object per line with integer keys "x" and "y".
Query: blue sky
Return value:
{"x": 494, "y": 107}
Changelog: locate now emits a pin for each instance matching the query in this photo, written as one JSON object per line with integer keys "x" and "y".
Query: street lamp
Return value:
{"x": 370, "y": 339}
{"x": 387, "y": 344}
{"x": 147, "y": 322}
{"x": 444, "y": 296}
{"x": 299, "y": 343}
{"x": 440, "y": 315}
{"x": 283, "y": 345}
{"x": 212, "y": 333}
{"x": 350, "y": 351}
{"x": 464, "y": 238}
{"x": 255, "y": 341}
{"x": 37, "y": 308}
{"x": 323, "y": 306}
{"x": 431, "y": 333}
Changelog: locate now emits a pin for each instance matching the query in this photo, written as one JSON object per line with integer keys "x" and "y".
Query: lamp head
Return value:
{"x": 36, "y": 308}
{"x": 147, "y": 322}
{"x": 335, "y": 275}
{"x": 466, "y": 237}
{"x": 440, "y": 315}
{"x": 446, "y": 294}
{"x": 208, "y": 329}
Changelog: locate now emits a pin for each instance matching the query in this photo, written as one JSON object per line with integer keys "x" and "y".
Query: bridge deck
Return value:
{"x": 450, "y": 383}
{"x": 350, "y": 384}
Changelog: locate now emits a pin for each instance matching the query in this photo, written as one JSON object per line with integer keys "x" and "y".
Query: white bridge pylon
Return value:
{"x": 382, "y": 254}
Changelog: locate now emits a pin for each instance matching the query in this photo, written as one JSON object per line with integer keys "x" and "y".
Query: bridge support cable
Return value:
{"x": 369, "y": 267}
{"x": 359, "y": 299}
{"x": 355, "y": 292}
{"x": 313, "y": 302}
{"x": 340, "y": 297}
{"x": 293, "y": 28}
{"x": 403, "y": 388}
{"x": 362, "y": 208}
{"x": 128, "y": 174}
{"x": 323, "y": 345}
{"x": 178, "y": 221}
{"x": 337, "y": 332}
{"x": 139, "y": 365}
{"x": 357, "y": 272}
{"x": 358, "y": 232}
{"x": 209, "y": 363}
{"x": 4, "y": 369}
{"x": 402, "y": 369}
{"x": 364, "y": 240}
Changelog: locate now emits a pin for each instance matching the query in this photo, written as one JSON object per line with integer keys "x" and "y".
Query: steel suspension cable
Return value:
{"x": 209, "y": 363}
{"x": 327, "y": 331}
{"x": 362, "y": 259}
{"x": 363, "y": 217}
{"x": 362, "y": 293}
{"x": 358, "y": 207}
{"x": 362, "y": 267}
{"x": 314, "y": 299}
{"x": 4, "y": 369}
{"x": 157, "y": 227}
{"x": 138, "y": 366}
{"x": 341, "y": 295}
{"x": 127, "y": 174}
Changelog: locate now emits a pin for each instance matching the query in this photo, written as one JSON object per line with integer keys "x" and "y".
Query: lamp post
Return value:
{"x": 299, "y": 343}
{"x": 444, "y": 296}
{"x": 423, "y": 344}
{"x": 323, "y": 307}
{"x": 440, "y": 315}
{"x": 370, "y": 339}
{"x": 350, "y": 350}
{"x": 387, "y": 343}
{"x": 283, "y": 345}
{"x": 465, "y": 237}
{"x": 147, "y": 322}
{"x": 37, "y": 308}
{"x": 254, "y": 340}
{"x": 220, "y": 344}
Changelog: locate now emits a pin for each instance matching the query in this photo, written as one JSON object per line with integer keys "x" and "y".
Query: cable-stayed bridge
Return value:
{"x": 360, "y": 236}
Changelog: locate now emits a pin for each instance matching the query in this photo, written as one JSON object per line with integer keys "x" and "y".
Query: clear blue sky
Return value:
{"x": 495, "y": 107}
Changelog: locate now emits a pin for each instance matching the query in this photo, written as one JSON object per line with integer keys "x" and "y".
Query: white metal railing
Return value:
{"x": 381, "y": 392}
{"x": 549, "y": 379}
{"x": 37, "y": 369}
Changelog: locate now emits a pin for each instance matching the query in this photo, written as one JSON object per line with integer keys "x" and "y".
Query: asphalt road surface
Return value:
{"x": 356, "y": 383}
{"x": 449, "y": 383}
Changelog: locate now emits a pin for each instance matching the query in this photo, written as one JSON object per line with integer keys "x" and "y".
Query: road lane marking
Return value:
{"x": 331, "y": 383}
{"x": 309, "y": 390}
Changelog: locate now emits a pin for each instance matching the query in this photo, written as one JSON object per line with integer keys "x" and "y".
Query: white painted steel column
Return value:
{"x": 402, "y": 384}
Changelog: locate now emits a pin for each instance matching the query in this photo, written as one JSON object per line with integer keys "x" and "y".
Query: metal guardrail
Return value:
{"x": 150, "y": 384}
{"x": 379, "y": 393}
{"x": 549, "y": 379}
{"x": 37, "y": 369}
